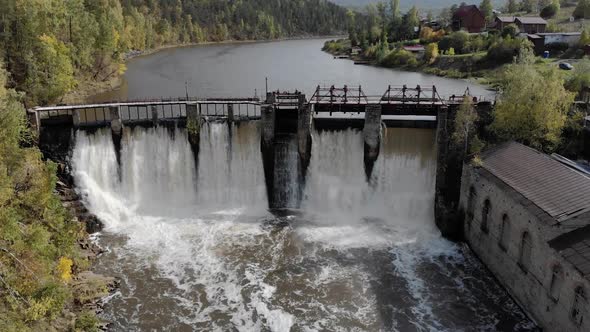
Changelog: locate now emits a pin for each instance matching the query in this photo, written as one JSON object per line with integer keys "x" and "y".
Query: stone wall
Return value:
{"x": 547, "y": 299}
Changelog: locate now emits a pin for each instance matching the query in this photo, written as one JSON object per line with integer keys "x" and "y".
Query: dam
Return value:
{"x": 190, "y": 232}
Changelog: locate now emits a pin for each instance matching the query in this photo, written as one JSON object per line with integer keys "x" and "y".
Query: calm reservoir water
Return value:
{"x": 237, "y": 70}
{"x": 196, "y": 248}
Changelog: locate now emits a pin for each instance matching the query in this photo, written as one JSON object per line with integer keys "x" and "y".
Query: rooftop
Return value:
{"x": 560, "y": 191}
{"x": 575, "y": 248}
{"x": 505, "y": 19}
{"x": 464, "y": 10}
{"x": 530, "y": 20}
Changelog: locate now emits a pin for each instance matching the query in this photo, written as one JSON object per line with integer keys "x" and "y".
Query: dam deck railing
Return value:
{"x": 396, "y": 100}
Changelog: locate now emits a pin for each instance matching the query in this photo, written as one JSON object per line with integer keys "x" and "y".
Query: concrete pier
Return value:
{"x": 372, "y": 137}
{"x": 450, "y": 158}
{"x": 193, "y": 128}
{"x": 116, "y": 132}
{"x": 268, "y": 118}
{"x": 154, "y": 110}
{"x": 304, "y": 140}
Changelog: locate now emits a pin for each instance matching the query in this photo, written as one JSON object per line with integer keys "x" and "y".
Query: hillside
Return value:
{"x": 407, "y": 4}
{"x": 50, "y": 46}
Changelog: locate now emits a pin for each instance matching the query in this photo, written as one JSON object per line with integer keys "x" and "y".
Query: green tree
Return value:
{"x": 52, "y": 74}
{"x": 512, "y": 6}
{"x": 585, "y": 38}
{"x": 465, "y": 125}
{"x": 580, "y": 77}
{"x": 487, "y": 8}
{"x": 582, "y": 9}
{"x": 36, "y": 232}
{"x": 532, "y": 107}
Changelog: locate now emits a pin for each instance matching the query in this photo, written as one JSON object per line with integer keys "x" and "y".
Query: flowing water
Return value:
{"x": 196, "y": 248}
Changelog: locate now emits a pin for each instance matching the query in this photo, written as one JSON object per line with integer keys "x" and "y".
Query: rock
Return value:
{"x": 93, "y": 224}
{"x": 90, "y": 287}
{"x": 68, "y": 195}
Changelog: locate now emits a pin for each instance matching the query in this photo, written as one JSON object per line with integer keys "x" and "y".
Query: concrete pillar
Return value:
{"x": 193, "y": 128}
{"x": 117, "y": 132}
{"x": 372, "y": 137}
{"x": 304, "y": 140}
{"x": 230, "y": 112}
{"x": 76, "y": 118}
{"x": 450, "y": 158}
{"x": 267, "y": 148}
{"x": 154, "y": 110}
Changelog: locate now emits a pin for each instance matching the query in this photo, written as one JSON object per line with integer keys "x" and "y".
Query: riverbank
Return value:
{"x": 472, "y": 67}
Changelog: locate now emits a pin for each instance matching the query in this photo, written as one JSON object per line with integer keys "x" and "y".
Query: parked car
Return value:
{"x": 566, "y": 66}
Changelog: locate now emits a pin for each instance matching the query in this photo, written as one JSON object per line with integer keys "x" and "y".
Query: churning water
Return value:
{"x": 196, "y": 248}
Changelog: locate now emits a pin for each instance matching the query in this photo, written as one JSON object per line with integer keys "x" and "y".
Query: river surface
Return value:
{"x": 196, "y": 248}
{"x": 239, "y": 70}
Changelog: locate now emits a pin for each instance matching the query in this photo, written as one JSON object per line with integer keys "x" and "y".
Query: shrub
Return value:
{"x": 399, "y": 57}
{"x": 582, "y": 9}
{"x": 457, "y": 40}
{"x": 549, "y": 11}
{"x": 506, "y": 49}
{"x": 431, "y": 53}
{"x": 511, "y": 30}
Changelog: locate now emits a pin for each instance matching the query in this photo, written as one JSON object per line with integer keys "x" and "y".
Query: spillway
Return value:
{"x": 196, "y": 248}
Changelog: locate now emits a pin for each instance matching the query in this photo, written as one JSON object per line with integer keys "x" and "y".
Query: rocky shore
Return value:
{"x": 89, "y": 288}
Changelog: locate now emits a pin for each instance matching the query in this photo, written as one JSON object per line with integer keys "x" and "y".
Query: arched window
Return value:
{"x": 504, "y": 232}
{"x": 525, "y": 251}
{"x": 556, "y": 281}
{"x": 485, "y": 215}
{"x": 470, "y": 206}
{"x": 579, "y": 305}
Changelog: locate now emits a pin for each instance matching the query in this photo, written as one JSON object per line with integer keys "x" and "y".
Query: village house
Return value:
{"x": 530, "y": 24}
{"x": 503, "y": 21}
{"x": 468, "y": 18}
{"x": 526, "y": 24}
{"x": 527, "y": 216}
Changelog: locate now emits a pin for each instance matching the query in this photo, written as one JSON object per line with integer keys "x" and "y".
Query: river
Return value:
{"x": 239, "y": 70}
{"x": 196, "y": 248}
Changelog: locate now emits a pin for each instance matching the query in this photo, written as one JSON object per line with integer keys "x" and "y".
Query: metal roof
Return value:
{"x": 555, "y": 188}
{"x": 505, "y": 19}
{"x": 531, "y": 20}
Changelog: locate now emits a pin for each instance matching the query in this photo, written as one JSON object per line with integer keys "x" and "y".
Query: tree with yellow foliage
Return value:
{"x": 532, "y": 107}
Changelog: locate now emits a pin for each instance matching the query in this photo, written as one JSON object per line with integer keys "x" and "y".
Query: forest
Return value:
{"x": 50, "y": 46}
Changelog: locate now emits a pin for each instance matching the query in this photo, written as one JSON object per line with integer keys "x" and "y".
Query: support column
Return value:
{"x": 450, "y": 157}
{"x": 304, "y": 140}
{"x": 193, "y": 128}
{"x": 154, "y": 110}
{"x": 230, "y": 112}
{"x": 76, "y": 118}
{"x": 267, "y": 148}
{"x": 117, "y": 133}
{"x": 372, "y": 137}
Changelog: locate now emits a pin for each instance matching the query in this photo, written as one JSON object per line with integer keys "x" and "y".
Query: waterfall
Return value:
{"x": 196, "y": 249}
